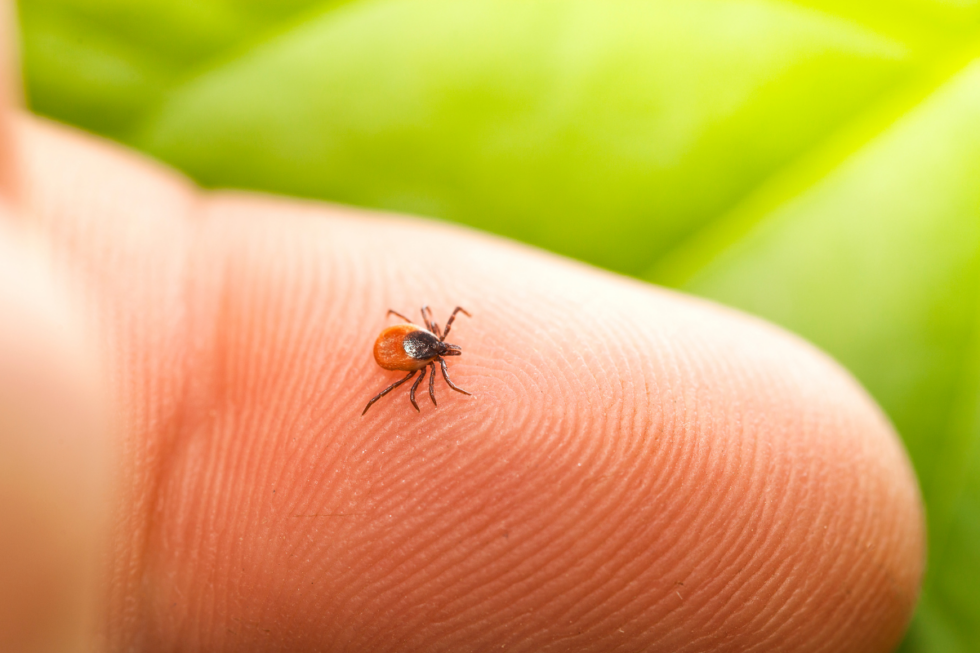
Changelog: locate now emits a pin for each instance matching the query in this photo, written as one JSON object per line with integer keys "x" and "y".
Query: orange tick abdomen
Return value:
{"x": 389, "y": 349}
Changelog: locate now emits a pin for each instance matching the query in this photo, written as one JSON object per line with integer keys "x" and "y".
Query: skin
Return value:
{"x": 636, "y": 471}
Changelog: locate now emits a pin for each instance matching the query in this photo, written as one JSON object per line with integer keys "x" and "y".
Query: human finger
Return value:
{"x": 635, "y": 470}
{"x": 52, "y": 447}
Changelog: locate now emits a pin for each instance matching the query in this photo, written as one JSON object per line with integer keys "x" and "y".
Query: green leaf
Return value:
{"x": 101, "y": 64}
{"x": 606, "y": 131}
{"x": 814, "y": 162}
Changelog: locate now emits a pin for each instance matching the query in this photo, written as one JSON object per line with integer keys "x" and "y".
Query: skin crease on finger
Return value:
{"x": 635, "y": 471}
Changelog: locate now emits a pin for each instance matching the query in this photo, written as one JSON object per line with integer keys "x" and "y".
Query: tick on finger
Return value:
{"x": 410, "y": 348}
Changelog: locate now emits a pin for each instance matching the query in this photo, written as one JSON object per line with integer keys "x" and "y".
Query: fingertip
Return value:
{"x": 638, "y": 470}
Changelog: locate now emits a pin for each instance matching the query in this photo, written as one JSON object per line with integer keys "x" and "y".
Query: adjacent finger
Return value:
{"x": 52, "y": 451}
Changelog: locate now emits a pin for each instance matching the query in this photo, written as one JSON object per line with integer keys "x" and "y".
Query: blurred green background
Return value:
{"x": 813, "y": 162}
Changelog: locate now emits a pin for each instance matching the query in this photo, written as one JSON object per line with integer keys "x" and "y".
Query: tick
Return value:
{"x": 410, "y": 348}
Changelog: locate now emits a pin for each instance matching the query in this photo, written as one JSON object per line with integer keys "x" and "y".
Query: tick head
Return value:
{"x": 446, "y": 349}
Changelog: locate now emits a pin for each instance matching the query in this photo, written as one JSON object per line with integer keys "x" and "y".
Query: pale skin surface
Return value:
{"x": 635, "y": 471}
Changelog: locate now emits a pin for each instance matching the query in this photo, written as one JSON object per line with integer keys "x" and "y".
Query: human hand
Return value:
{"x": 636, "y": 470}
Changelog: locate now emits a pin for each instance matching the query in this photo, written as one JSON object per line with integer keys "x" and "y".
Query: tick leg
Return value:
{"x": 429, "y": 322}
{"x": 411, "y": 395}
{"x": 387, "y": 390}
{"x": 449, "y": 322}
{"x": 432, "y": 384}
{"x": 391, "y": 312}
{"x": 445, "y": 374}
